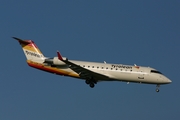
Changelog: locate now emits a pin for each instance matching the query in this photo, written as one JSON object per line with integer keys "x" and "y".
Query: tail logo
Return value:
{"x": 33, "y": 54}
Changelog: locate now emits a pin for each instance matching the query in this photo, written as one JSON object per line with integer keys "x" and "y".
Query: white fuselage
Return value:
{"x": 126, "y": 73}
{"x": 91, "y": 72}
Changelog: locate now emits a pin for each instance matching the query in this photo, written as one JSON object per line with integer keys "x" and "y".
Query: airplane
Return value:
{"x": 91, "y": 72}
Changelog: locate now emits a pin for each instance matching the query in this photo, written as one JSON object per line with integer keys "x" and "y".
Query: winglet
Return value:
{"x": 59, "y": 56}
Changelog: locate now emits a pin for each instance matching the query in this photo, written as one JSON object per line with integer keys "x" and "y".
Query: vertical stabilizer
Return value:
{"x": 30, "y": 49}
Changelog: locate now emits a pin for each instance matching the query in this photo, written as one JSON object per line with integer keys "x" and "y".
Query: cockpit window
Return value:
{"x": 155, "y": 71}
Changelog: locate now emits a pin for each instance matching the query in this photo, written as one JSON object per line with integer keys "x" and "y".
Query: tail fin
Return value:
{"x": 30, "y": 49}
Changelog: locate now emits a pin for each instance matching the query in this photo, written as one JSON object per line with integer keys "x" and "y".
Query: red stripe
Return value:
{"x": 32, "y": 45}
{"x": 41, "y": 67}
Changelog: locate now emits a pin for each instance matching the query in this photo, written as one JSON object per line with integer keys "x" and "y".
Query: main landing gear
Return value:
{"x": 157, "y": 88}
{"x": 91, "y": 83}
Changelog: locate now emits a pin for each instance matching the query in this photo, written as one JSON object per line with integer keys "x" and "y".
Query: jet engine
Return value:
{"x": 54, "y": 61}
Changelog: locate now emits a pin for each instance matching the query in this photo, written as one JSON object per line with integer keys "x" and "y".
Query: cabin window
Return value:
{"x": 102, "y": 67}
{"x": 97, "y": 67}
{"x": 92, "y": 66}
{"x": 111, "y": 68}
{"x": 83, "y": 65}
{"x": 88, "y": 66}
{"x": 107, "y": 68}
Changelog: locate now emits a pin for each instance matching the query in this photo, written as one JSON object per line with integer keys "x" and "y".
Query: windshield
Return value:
{"x": 155, "y": 71}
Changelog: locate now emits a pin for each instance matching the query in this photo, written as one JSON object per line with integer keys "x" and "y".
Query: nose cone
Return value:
{"x": 169, "y": 81}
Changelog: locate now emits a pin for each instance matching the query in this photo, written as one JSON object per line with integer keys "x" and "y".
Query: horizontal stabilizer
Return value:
{"x": 22, "y": 41}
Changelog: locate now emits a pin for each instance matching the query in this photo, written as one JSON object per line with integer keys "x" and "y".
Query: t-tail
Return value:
{"x": 31, "y": 51}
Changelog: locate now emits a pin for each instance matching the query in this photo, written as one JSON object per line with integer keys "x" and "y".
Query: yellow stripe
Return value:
{"x": 31, "y": 48}
{"x": 54, "y": 69}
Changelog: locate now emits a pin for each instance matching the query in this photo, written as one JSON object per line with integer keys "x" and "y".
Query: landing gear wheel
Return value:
{"x": 91, "y": 85}
{"x": 87, "y": 82}
{"x": 157, "y": 90}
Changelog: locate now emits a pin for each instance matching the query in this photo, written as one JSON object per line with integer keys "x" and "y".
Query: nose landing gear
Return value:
{"x": 157, "y": 88}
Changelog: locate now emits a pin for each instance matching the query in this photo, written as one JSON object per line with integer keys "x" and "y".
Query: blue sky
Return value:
{"x": 142, "y": 32}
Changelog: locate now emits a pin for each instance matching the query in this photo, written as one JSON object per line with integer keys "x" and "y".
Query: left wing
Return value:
{"x": 83, "y": 72}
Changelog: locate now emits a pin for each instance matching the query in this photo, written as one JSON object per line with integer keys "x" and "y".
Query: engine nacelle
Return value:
{"x": 54, "y": 61}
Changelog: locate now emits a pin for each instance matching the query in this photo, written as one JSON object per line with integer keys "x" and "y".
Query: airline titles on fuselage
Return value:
{"x": 121, "y": 66}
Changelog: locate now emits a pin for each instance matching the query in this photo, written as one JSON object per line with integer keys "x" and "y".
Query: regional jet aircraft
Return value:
{"x": 91, "y": 72}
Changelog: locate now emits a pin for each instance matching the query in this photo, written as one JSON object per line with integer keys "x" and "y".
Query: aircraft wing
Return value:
{"x": 83, "y": 72}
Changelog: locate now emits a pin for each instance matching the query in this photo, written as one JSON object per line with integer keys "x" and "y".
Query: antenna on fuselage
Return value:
{"x": 104, "y": 62}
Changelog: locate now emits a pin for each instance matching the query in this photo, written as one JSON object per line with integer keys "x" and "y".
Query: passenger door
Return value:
{"x": 141, "y": 75}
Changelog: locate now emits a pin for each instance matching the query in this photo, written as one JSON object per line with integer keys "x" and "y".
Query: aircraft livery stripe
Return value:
{"x": 31, "y": 43}
{"x": 50, "y": 69}
{"x": 32, "y": 49}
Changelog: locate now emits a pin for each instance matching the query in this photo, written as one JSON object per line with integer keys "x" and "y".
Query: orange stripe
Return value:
{"x": 31, "y": 48}
{"x": 51, "y": 69}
